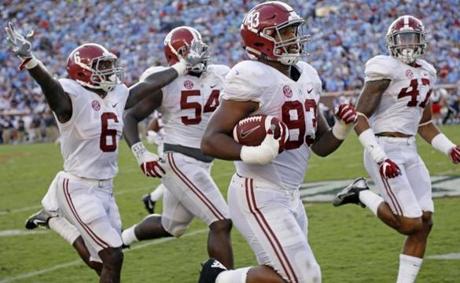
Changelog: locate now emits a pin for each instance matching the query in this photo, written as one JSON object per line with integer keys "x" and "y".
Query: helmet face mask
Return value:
{"x": 92, "y": 66}
{"x": 273, "y": 31}
{"x": 406, "y": 39}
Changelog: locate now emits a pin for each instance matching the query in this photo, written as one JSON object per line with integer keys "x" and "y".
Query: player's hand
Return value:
{"x": 345, "y": 119}
{"x": 18, "y": 43}
{"x": 147, "y": 161}
{"x": 197, "y": 54}
{"x": 346, "y": 113}
{"x": 455, "y": 154}
{"x": 263, "y": 153}
{"x": 389, "y": 169}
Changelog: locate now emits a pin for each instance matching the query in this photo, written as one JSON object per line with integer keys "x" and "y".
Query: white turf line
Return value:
{"x": 451, "y": 256}
{"x": 20, "y": 232}
{"x": 78, "y": 262}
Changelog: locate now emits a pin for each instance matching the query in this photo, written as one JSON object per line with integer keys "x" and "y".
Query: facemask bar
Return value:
{"x": 281, "y": 47}
{"x": 105, "y": 79}
{"x": 407, "y": 45}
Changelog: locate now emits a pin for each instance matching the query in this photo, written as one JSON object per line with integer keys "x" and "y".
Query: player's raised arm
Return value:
{"x": 155, "y": 81}
{"x": 57, "y": 99}
{"x": 432, "y": 135}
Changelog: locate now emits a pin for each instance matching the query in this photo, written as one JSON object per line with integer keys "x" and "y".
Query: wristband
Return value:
{"x": 368, "y": 140}
{"x": 442, "y": 143}
{"x": 138, "y": 150}
{"x": 180, "y": 67}
{"x": 341, "y": 130}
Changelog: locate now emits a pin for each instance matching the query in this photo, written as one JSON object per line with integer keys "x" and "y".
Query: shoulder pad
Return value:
{"x": 219, "y": 70}
{"x": 246, "y": 81}
{"x": 70, "y": 87}
{"x": 380, "y": 67}
{"x": 427, "y": 66}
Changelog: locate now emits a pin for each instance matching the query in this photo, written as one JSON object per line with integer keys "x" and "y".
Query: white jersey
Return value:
{"x": 402, "y": 104}
{"x": 188, "y": 103}
{"x": 293, "y": 102}
{"x": 89, "y": 140}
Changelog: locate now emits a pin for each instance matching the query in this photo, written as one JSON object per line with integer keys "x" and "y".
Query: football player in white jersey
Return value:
{"x": 393, "y": 107}
{"x": 88, "y": 107}
{"x": 186, "y": 105}
{"x": 263, "y": 196}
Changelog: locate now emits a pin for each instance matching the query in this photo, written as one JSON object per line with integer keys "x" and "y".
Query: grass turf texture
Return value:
{"x": 350, "y": 244}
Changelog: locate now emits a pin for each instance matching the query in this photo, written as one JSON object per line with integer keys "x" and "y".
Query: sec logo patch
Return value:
{"x": 287, "y": 91}
{"x": 188, "y": 84}
{"x": 96, "y": 105}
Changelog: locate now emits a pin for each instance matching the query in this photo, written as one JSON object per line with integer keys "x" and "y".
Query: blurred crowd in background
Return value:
{"x": 344, "y": 35}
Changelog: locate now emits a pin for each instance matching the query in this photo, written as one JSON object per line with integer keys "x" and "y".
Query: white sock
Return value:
{"x": 128, "y": 237}
{"x": 408, "y": 268}
{"x": 233, "y": 276}
{"x": 157, "y": 193}
{"x": 371, "y": 200}
{"x": 64, "y": 228}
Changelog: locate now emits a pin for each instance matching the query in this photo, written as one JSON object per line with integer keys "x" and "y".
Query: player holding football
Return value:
{"x": 186, "y": 105}
{"x": 393, "y": 106}
{"x": 263, "y": 195}
{"x": 88, "y": 108}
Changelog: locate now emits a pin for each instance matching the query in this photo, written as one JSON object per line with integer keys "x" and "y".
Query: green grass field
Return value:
{"x": 350, "y": 244}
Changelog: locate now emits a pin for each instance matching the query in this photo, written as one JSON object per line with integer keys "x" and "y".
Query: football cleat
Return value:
{"x": 39, "y": 218}
{"x": 148, "y": 203}
{"x": 350, "y": 194}
{"x": 210, "y": 270}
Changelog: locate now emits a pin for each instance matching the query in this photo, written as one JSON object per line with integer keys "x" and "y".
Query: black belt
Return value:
{"x": 189, "y": 151}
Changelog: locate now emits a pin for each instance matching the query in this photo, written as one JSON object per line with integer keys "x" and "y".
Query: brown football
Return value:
{"x": 252, "y": 130}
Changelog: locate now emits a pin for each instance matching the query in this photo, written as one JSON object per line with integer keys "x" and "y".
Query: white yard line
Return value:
{"x": 78, "y": 262}
{"x": 17, "y": 232}
{"x": 450, "y": 256}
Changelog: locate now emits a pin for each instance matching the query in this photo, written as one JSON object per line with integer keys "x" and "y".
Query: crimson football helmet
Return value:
{"x": 93, "y": 66}
{"x": 261, "y": 35}
{"x": 406, "y": 39}
{"x": 177, "y": 43}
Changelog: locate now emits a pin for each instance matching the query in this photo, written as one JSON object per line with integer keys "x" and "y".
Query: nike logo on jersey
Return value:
{"x": 309, "y": 91}
{"x": 213, "y": 86}
{"x": 248, "y": 132}
{"x": 114, "y": 105}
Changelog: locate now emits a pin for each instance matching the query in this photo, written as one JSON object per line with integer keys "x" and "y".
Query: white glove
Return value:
{"x": 21, "y": 46}
{"x": 147, "y": 161}
{"x": 195, "y": 59}
{"x": 263, "y": 153}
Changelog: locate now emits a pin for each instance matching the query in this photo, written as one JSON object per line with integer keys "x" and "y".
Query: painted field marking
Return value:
{"x": 450, "y": 256}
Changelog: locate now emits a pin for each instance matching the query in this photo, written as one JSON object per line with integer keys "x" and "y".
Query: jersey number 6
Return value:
{"x": 107, "y": 133}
